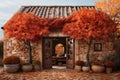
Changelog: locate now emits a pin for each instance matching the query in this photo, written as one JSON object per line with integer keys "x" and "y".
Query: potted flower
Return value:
{"x": 11, "y": 63}
{"x": 37, "y": 65}
{"x": 109, "y": 65}
{"x": 98, "y": 66}
{"x": 79, "y": 65}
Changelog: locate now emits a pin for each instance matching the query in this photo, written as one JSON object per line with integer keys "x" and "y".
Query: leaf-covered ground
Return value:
{"x": 59, "y": 75}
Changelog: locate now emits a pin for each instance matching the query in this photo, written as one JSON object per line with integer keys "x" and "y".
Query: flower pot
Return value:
{"x": 108, "y": 70}
{"x": 11, "y": 68}
{"x": 85, "y": 68}
{"x": 98, "y": 68}
{"x": 37, "y": 67}
{"x": 27, "y": 67}
{"x": 78, "y": 68}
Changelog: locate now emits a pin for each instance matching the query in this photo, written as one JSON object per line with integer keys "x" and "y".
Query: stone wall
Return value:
{"x": 18, "y": 48}
{"x": 107, "y": 49}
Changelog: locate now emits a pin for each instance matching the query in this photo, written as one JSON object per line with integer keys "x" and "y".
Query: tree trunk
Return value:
{"x": 78, "y": 49}
{"x": 30, "y": 51}
{"x": 88, "y": 51}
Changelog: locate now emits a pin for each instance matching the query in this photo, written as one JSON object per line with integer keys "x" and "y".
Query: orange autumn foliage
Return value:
{"x": 82, "y": 24}
{"x": 112, "y": 7}
{"x": 26, "y": 26}
{"x": 89, "y": 23}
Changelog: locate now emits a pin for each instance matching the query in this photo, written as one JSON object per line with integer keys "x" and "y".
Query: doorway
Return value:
{"x": 58, "y": 52}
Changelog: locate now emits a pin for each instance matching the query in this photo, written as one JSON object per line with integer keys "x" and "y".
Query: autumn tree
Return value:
{"x": 89, "y": 25}
{"x": 112, "y": 7}
{"x": 26, "y": 27}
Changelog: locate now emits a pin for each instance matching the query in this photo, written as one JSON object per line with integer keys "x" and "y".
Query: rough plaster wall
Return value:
{"x": 18, "y": 48}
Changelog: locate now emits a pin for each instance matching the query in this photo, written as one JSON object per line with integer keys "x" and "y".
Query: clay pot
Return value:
{"x": 78, "y": 68}
{"x": 27, "y": 67}
{"x": 98, "y": 68}
{"x": 11, "y": 68}
{"x": 108, "y": 70}
{"x": 37, "y": 68}
{"x": 85, "y": 68}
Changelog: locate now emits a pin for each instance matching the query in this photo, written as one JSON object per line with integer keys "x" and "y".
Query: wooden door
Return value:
{"x": 70, "y": 58}
{"x": 47, "y": 53}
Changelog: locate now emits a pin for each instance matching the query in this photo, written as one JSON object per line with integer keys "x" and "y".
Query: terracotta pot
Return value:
{"x": 108, "y": 70}
{"x": 11, "y": 68}
{"x": 78, "y": 68}
{"x": 98, "y": 68}
{"x": 85, "y": 68}
{"x": 27, "y": 67}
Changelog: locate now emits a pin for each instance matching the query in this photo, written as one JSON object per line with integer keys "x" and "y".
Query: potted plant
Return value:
{"x": 109, "y": 65}
{"x": 37, "y": 65}
{"x": 11, "y": 63}
{"x": 98, "y": 66}
{"x": 79, "y": 65}
{"x": 85, "y": 67}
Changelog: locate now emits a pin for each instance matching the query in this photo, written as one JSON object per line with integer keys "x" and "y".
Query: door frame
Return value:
{"x": 73, "y": 53}
{"x": 50, "y": 37}
{"x": 43, "y": 55}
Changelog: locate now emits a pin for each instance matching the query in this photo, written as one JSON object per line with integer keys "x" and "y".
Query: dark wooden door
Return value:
{"x": 70, "y": 58}
{"x": 47, "y": 53}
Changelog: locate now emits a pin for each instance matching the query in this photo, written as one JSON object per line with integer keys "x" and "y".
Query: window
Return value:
{"x": 97, "y": 46}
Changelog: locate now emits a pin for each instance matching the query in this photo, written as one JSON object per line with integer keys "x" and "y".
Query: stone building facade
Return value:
{"x": 17, "y": 47}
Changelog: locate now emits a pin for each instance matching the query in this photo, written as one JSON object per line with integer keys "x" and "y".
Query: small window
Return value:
{"x": 97, "y": 46}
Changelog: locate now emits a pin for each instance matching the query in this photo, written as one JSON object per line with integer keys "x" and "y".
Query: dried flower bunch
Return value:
{"x": 11, "y": 60}
{"x": 110, "y": 64}
{"x": 80, "y": 63}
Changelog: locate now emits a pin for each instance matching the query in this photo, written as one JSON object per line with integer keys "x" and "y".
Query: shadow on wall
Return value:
{"x": 115, "y": 57}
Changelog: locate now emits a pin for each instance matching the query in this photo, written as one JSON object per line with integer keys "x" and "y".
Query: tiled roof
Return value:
{"x": 51, "y": 11}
